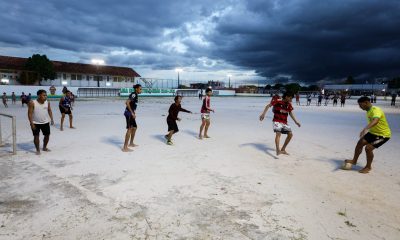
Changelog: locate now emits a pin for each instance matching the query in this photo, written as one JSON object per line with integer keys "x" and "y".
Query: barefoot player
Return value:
{"x": 65, "y": 108}
{"x": 374, "y": 135}
{"x": 173, "y": 111}
{"x": 281, "y": 109}
{"x": 205, "y": 114}
{"x": 130, "y": 115}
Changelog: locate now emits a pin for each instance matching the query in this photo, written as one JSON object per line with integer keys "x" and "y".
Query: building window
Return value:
{"x": 73, "y": 76}
{"x": 58, "y": 75}
{"x": 64, "y": 76}
{"x": 132, "y": 79}
{"x": 108, "y": 78}
{"x": 115, "y": 79}
{"x": 78, "y": 77}
{"x": 87, "y": 77}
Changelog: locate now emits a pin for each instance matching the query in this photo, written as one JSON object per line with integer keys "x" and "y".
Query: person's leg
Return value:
{"x": 357, "y": 151}
{"x": 70, "y": 120}
{"x": 369, "y": 150}
{"x": 36, "y": 142}
{"x": 133, "y": 133}
{"x": 62, "y": 121}
{"x": 203, "y": 123}
{"x": 287, "y": 140}
{"x": 277, "y": 140}
{"x": 127, "y": 136}
{"x": 169, "y": 135}
{"x": 208, "y": 123}
{"x": 45, "y": 142}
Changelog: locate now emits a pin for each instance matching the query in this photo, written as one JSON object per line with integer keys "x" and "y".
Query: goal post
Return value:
{"x": 13, "y": 132}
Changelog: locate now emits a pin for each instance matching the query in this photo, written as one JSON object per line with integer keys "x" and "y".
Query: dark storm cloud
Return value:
{"x": 307, "y": 40}
{"x": 314, "y": 40}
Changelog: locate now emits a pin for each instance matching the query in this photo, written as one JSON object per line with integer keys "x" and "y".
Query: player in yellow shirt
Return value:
{"x": 374, "y": 135}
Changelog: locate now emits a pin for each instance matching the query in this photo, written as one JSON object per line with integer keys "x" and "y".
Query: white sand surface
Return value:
{"x": 230, "y": 186}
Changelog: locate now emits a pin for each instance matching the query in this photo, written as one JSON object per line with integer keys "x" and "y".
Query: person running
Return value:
{"x": 173, "y": 111}
{"x": 335, "y": 98}
{"x": 374, "y": 135}
{"x": 40, "y": 115}
{"x": 130, "y": 115}
{"x": 281, "y": 109}
{"x": 298, "y": 99}
{"x": 4, "y": 98}
{"x": 342, "y": 100}
{"x": 65, "y": 108}
{"x": 13, "y": 98}
{"x": 205, "y": 114}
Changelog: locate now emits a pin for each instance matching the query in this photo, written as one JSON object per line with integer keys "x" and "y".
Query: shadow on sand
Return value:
{"x": 262, "y": 147}
{"x": 192, "y": 133}
{"x": 27, "y": 146}
{"x": 339, "y": 163}
{"x": 116, "y": 141}
{"x": 160, "y": 137}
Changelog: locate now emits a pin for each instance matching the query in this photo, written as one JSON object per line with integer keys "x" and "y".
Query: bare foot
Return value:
{"x": 37, "y": 152}
{"x": 72, "y": 127}
{"x": 127, "y": 150}
{"x": 284, "y": 152}
{"x": 200, "y": 137}
{"x": 133, "y": 145}
{"x": 365, "y": 170}
{"x": 206, "y": 136}
{"x": 350, "y": 161}
{"x": 278, "y": 153}
{"x": 61, "y": 129}
{"x": 46, "y": 150}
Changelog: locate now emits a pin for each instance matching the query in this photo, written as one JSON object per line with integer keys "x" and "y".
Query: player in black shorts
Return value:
{"x": 65, "y": 108}
{"x": 130, "y": 116}
{"x": 173, "y": 111}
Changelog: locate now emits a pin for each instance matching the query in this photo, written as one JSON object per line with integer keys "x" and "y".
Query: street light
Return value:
{"x": 98, "y": 62}
{"x": 178, "y": 70}
{"x": 229, "y": 83}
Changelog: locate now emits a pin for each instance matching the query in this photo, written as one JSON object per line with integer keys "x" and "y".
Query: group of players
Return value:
{"x": 373, "y": 135}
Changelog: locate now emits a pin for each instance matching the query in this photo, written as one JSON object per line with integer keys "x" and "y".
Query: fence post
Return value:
{"x": 14, "y": 134}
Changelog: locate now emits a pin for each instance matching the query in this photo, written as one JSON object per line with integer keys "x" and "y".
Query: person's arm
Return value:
{"x": 127, "y": 103}
{"x": 60, "y": 103}
{"x": 50, "y": 113}
{"x": 370, "y": 125}
{"x": 294, "y": 119}
{"x": 173, "y": 112}
{"x": 208, "y": 105}
{"x": 262, "y": 116}
{"x": 184, "y": 110}
{"x": 31, "y": 107}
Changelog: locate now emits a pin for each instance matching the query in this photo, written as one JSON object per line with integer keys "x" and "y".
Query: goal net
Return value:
{"x": 8, "y": 134}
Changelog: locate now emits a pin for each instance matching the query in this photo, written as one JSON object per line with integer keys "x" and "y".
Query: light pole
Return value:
{"x": 178, "y": 70}
{"x": 229, "y": 83}
{"x": 97, "y": 62}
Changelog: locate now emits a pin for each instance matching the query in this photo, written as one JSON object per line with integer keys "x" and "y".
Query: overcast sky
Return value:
{"x": 290, "y": 40}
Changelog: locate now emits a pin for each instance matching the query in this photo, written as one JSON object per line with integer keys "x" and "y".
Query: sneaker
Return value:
{"x": 169, "y": 142}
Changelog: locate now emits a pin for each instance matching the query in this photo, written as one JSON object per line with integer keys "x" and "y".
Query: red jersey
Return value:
{"x": 275, "y": 98}
{"x": 206, "y": 105}
{"x": 281, "y": 111}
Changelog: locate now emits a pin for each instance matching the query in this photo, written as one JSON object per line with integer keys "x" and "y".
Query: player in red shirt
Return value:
{"x": 281, "y": 109}
{"x": 205, "y": 114}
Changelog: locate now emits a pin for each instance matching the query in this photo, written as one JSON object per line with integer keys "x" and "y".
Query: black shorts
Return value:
{"x": 45, "y": 128}
{"x": 130, "y": 122}
{"x": 172, "y": 125}
{"x": 62, "y": 110}
{"x": 375, "y": 140}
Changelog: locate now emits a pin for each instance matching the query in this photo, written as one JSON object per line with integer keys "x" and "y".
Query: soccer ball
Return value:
{"x": 347, "y": 166}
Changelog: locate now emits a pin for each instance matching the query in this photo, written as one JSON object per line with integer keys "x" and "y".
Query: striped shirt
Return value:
{"x": 281, "y": 111}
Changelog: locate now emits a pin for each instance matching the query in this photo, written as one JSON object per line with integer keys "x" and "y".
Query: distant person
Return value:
{"x": 372, "y": 97}
{"x": 23, "y": 99}
{"x": 65, "y": 108}
{"x": 326, "y": 99}
{"x": 40, "y": 115}
{"x": 393, "y": 103}
{"x": 205, "y": 114}
{"x": 4, "y": 98}
{"x": 130, "y": 115}
{"x": 298, "y": 99}
{"x": 309, "y": 98}
{"x": 173, "y": 112}
{"x": 374, "y": 135}
{"x": 319, "y": 100}
{"x": 29, "y": 98}
{"x": 72, "y": 99}
{"x": 13, "y": 98}
{"x": 342, "y": 100}
{"x": 335, "y": 100}
{"x": 201, "y": 94}
{"x": 281, "y": 109}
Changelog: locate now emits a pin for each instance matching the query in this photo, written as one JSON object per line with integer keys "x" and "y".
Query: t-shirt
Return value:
{"x": 382, "y": 128}
{"x": 66, "y": 102}
{"x": 281, "y": 111}
{"x": 206, "y": 105}
{"x": 174, "y": 110}
{"x": 133, "y": 97}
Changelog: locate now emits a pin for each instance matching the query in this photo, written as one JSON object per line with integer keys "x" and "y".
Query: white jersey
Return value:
{"x": 40, "y": 112}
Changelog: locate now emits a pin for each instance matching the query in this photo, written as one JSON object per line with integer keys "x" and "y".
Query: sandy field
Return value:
{"x": 231, "y": 186}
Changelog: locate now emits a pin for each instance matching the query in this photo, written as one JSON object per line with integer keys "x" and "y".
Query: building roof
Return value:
{"x": 16, "y": 63}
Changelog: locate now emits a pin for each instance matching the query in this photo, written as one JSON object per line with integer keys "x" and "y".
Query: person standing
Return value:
{"x": 65, "y": 108}
{"x": 319, "y": 100}
{"x": 309, "y": 97}
{"x": 130, "y": 116}
{"x": 4, "y": 98}
{"x": 342, "y": 100}
{"x": 298, "y": 99}
{"x": 374, "y": 135}
{"x": 13, "y": 98}
{"x": 393, "y": 102}
{"x": 281, "y": 109}
{"x": 23, "y": 99}
{"x": 40, "y": 115}
{"x": 173, "y": 111}
{"x": 335, "y": 98}
{"x": 205, "y": 114}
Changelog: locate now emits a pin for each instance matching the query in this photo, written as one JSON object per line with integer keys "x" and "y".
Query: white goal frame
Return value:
{"x": 14, "y": 132}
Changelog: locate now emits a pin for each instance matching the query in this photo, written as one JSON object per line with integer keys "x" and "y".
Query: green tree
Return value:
{"x": 38, "y": 67}
{"x": 292, "y": 87}
{"x": 278, "y": 86}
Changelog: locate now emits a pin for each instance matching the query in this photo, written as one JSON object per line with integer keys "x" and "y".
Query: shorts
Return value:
{"x": 205, "y": 116}
{"x": 62, "y": 110}
{"x": 281, "y": 127}
{"x": 172, "y": 125}
{"x": 375, "y": 140}
{"x": 45, "y": 128}
{"x": 130, "y": 121}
